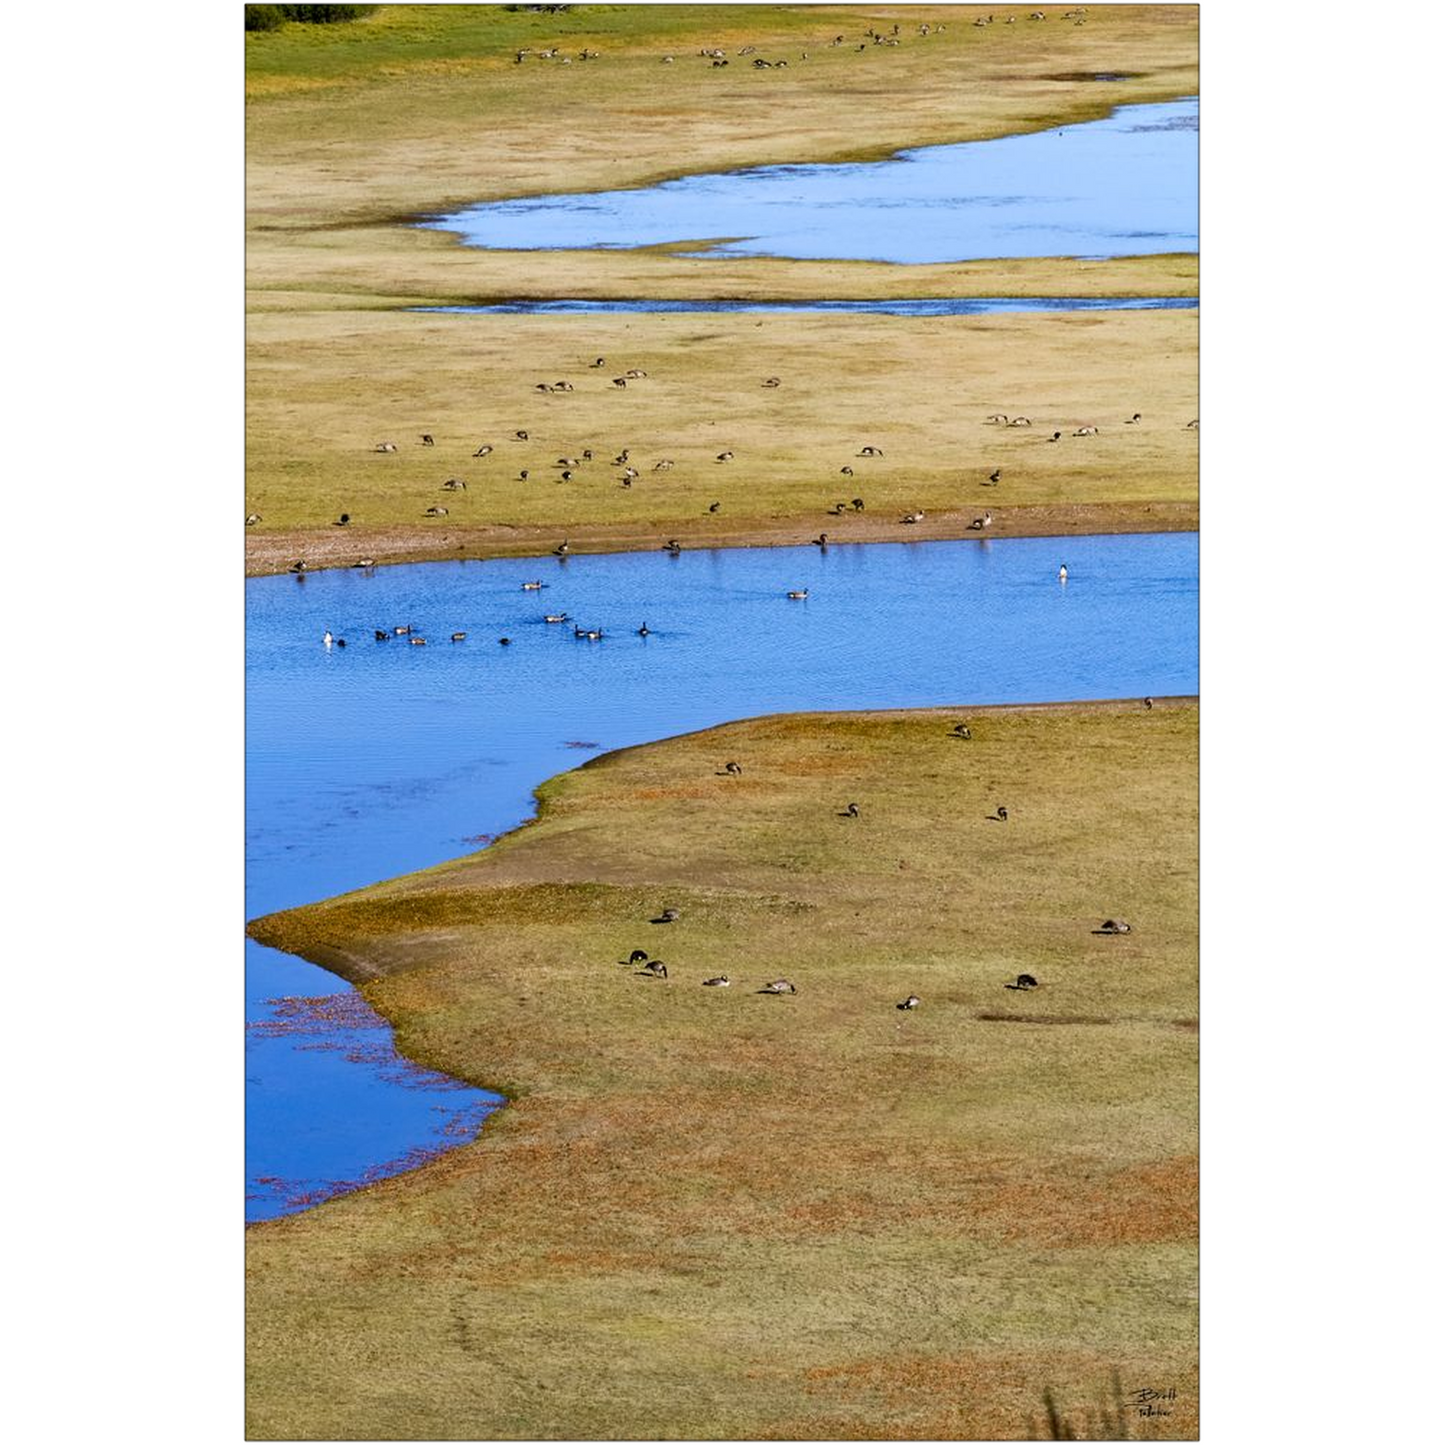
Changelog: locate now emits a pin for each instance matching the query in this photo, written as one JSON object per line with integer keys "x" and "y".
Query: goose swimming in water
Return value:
{"x": 555, "y": 617}
{"x": 821, "y": 540}
{"x": 673, "y": 546}
{"x": 326, "y": 638}
{"x": 561, "y": 549}
{"x": 1063, "y": 573}
{"x": 380, "y": 635}
{"x": 459, "y": 637}
{"x": 533, "y": 586}
{"x": 402, "y": 631}
{"x": 418, "y": 642}
{"x": 800, "y": 596}
{"x": 644, "y": 631}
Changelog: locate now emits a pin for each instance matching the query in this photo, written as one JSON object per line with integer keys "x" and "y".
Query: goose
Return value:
{"x": 979, "y": 523}
{"x": 326, "y": 638}
{"x": 252, "y": 518}
{"x": 344, "y": 520}
{"x": 644, "y": 631}
{"x": 562, "y": 548}
{"x": 721, "y": 981}
{"x": 1024, "y": 980}
{"x": 665, "y": 465}
{"x": 635, "y": 374}
{"x": 298, "y": 566}
{"x": 523, "y": 475}
{"x": 436, "y": 512}
{"x": 837, "y": 509}
{"x": 521, "y": 436}
{"x": 542, "y": 386}
{"x": 1001, "y": 816}
{"x": 1087, "y": 431}
{"x": 566, "y": 476}
{"x": 622, "y": 457}
{"x": 912, "y": 517}
{"x": 1113, "y": 925}
{"x": 595, "y": 635}
{"x": 993, "y": 477}
{"x": 562, "y": 386}
{"x": 672, "y": 546}
{"x": 910, "y": 1002}
{"x": 668, "y": 915}
{"x": 459, "y": 637}
{"x": 601, "y": 361}
{"x": 871, "y": 452}
{"x": 631, "y": 473}
{"x": 384, "y": 447}
{"x": 619, "y": 381}
{"x": 1056, "y": 436}
{"x": 653, "y": 968}
{"x": 997, "y": 417}
{"x": 845, "y": 471}
{"x": 778, "y": 985}
{"x": 638, "y": 955}
{"x": 857, "y": 504}
{"x": 724, "y": 456}
{"x": 586, "y": 454}
{"x": 578, "y": 631}
{"x": 482, "y": 451}
{"x": 1063, "y": 573}
{"x": 1137, "y": 417}
{"x": 851, "y": 811}
{"x": 555, "y": 617}
{"x": 380, "y": 636}
{"x": 821, "y": 540}
{"x": 402, "y": 631}
{"x": 504, "y": 641}
{"x": 961, "y": 730}
{"x": 1192, "y": 425}
{"x": 418, "y": 642}
{"x": 341, "y": 642}
{"x": 1021, "y": 421}
{"x": 736, "y": 769}
{"x": 454, "y": 484}
{"x": 715, "y": 507}
{"x": 773, "y": 381}
{"x": 427, "y": 439}
{"x": 800, "y": 596}
{"x": 625, "y": 482}
{"x": 533, "y": 586}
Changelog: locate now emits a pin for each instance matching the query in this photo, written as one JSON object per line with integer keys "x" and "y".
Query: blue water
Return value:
{"x": 1127, "y": 185}
{"x": 376, "y": 759}
{"x": 926, "y": 306}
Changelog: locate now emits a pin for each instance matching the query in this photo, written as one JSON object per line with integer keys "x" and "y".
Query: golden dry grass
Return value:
{"x": 706, "y": 1213}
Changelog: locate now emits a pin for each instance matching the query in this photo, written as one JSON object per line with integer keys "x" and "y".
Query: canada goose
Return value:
{"x": 644, "y": 631}
{"x": 601, "y": 361}
{"x": 993, "y": 477}
{"x": 1063, "y": 573}
{"x": 736, "y": 769}
{"x": 625, "y": 482}
{"x": 871, "y": 452}
{"x": 562, "y": 386}
{"x": 778, "y": 985}
{"x": 1021, "y": 421}
{"x": 454, "y": 484}
{"x": 402, "y": 631}
{"x": 426, "y": 439}
{"x": 638, "y": 955}
{"x": 594, "y": 634}
{"x": 418, "y": 642}
{"x": 555, "y": 617}
{"x": 1137, "y": 417}
{"x": 653, "y": 968}
{"x": 773, "y": 381}
{"x": 619, "y": 381}
{"x": 523, "y": 475}
{"x": 1056, "y": 436}
{"x": 673, "y": 546}
{"x": 631, "y": 472}
{"x": 504, "y": 642}
{"x": 341, "y": 642}
{"x": 436, "y": 512}
{"x": 668, "y": 915}
{"x": 622, "y": 457}
{"x": 459, "y": 637}
{"x": 845, "y": 471}
{"x": 998, "y": 416}
{"x": 326, "y": 638}
{"x": 1024, "y": 980}
{"x": 721, "y": 981}
{"x": 821, "y": 540}
{"x": 724, "y": 456}
{"x": 799, "y": 596}
{"x": 635, "y": 374}
{"x": 665, "y": 465}
{"x": 1001, "y": 816}
{"x": 912, "y": 517}
{"x": 851, "y": 811}
{"x": 910, "y": 1002}
{"x": 482, "y": 450}
{"x": 961, "y": 730}
{"x": 579, "y": 631}
{"x": 562, "y": 548}
{"x": 978, "y": 524}
{"x": 521, "y": 436}
{"x": 385, "y": 447}
{"x": 857, "y": 504}
{"x": 1112, "y": 926}
{"x": 1148, "y": 704}
{"x": 252, "y": 518}
{"x": 344, "y": 520}
{"x": 298, "y": 566}
{"x": 365, "y": 562}
{"x": 566, "y": 476}
{"x": 1192, "y": 425}
{"x": 533, "y": 586}
{"x": 1087, "y": 431}
{"x": 542, "y": 386}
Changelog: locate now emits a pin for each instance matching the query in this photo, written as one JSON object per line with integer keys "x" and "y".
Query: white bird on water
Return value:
{"x": 1063, "y": 574}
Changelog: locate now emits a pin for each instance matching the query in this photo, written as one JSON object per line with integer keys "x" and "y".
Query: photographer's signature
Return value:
{"x": 1152, "y": 1402}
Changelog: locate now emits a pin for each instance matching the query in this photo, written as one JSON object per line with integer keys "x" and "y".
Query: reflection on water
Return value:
{"x": 925, "y": 306}
{"x": 1123, "y": 186}
{"x": 379, "y": 758}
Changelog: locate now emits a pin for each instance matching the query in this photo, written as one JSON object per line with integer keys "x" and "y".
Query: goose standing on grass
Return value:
{"x": 653, "y": 968}
{"x": 961, "y": 730}
{"x": 1001, "y": 816}
{"x": 778, "y": 985}
{"x": 668, "y": 915}
{"x": 1148, "y": 704}
{"x": 851, "y": 811}
{"x": 910, "y": 1002}
{"x": 735, "y": 769}
{"x": 721, "y": 981}
{"x": 253, "y": 518}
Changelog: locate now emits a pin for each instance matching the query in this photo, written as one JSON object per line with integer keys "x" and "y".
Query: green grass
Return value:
{"x": 709, "y": 1213}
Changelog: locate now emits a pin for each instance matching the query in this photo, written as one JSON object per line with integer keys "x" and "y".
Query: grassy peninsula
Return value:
{"x": 711, "y": 1212}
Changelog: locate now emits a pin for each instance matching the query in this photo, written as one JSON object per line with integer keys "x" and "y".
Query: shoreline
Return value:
{"x": 336, "y": 549}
